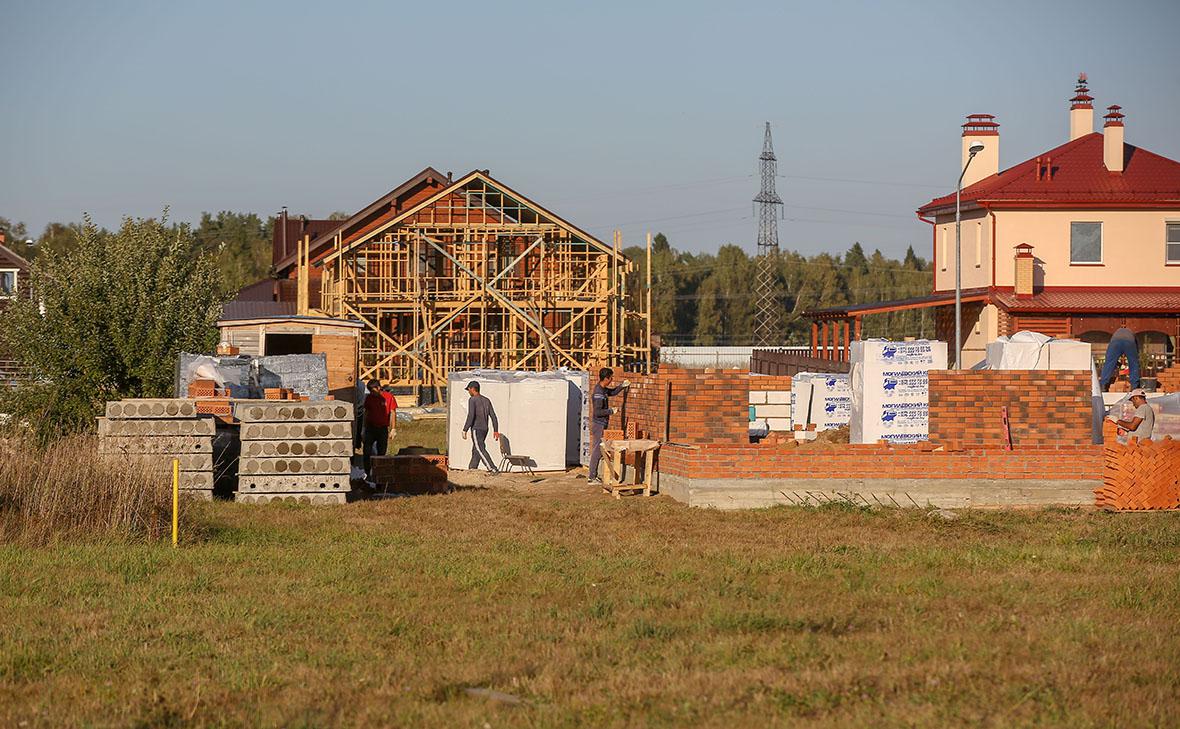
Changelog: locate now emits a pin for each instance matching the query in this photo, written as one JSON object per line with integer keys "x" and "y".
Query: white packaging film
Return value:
{"x": 1035, "y": 351}
{"x": 891, "y": 389}
{"x": 534, "y": 410}
{"x": 822, "y": 398}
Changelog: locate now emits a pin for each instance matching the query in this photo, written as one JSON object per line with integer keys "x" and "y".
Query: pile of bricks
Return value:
{"x": 419, "y": 473}
{"x": 295, "y": 451}
{"x": 1169, "y": 380}
{"x": 1140, "y": 475}
{"x": 1045, "y": 408}
{"x": 159, "y": 431}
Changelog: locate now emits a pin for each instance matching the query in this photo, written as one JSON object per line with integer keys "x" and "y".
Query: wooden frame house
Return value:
{"x": 453, "y": 274}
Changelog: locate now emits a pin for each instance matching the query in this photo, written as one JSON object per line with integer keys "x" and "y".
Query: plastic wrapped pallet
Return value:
{"x": 533, "y": 409}
{"x": 891, "y": 389}
{"x": 1036, "y": 351}
{"x": 820, "y": 398}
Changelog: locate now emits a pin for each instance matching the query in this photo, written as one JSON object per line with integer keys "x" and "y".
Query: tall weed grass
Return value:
{"x": 67, "y": 489}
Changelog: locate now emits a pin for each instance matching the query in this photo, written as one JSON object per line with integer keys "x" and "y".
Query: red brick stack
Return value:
{"x": 1169, "y": 379}
{"x": 411, "y": 474}
{"x": 1140, "y": 476}
{"x": 1045, "y": 407}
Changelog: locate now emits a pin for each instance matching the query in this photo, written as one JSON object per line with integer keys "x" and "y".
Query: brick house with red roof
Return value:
{"x": 1075, "y": 242}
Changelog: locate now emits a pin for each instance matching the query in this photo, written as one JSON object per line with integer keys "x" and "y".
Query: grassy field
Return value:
{"x": 591, "y": 612}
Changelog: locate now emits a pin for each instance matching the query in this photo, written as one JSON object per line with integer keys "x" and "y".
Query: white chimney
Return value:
{"x": 1113, "y": 138}
{"x": 981, "y": 128}
{"x": 1081, "y": 110}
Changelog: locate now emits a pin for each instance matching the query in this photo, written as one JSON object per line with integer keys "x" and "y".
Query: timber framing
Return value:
{"x": 477, "y": 275}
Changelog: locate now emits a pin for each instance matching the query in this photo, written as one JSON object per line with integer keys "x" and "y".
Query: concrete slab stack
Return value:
{"x": 160, "y": 430}
{"x": 295, "y": 451}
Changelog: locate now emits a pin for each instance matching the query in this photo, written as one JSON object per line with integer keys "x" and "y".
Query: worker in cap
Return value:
{"x": 479, "y": 412}
{"x": 1141, "y": 424}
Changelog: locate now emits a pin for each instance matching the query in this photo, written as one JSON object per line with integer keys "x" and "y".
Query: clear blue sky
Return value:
{"x": 642, "y": 115}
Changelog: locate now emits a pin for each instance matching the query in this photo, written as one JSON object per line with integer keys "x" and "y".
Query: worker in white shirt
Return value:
{"x": 1141, "y": 423}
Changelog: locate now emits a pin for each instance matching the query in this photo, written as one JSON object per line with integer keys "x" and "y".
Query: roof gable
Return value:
{"x": 375, "y": 213}
{"x": 458, "y": 187}
{"x": 1074, "y": 173}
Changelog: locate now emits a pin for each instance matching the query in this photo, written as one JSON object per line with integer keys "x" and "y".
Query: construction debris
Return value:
{"x": 294, "y": 451}
{"x": 160, "y": 431}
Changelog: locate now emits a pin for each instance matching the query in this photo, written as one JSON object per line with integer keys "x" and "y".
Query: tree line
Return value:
{"x": 708, "y": 299}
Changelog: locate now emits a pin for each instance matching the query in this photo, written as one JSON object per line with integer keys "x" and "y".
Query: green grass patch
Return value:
{"x": 591, "y": 613}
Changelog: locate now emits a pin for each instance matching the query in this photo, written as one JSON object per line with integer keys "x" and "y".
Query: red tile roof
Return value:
{"x": 1078, "y": 178}
{"x": 1075, "y": 301}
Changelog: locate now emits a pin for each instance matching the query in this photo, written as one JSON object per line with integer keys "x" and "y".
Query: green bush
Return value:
{"x": 106, "y": 320}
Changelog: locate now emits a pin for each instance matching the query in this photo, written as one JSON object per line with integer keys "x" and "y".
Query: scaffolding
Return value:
{"x": 478, "y": 276}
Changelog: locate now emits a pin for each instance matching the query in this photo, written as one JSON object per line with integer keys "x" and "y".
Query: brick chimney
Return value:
{"x": 981, "y": 128}
{"x": 1112, "y": 139}
{"x": 1081, "y": 110}
{"x": 1024, "y": 271}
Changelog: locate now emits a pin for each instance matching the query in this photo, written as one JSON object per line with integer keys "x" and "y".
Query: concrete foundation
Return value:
{"x": 943, "y": 493}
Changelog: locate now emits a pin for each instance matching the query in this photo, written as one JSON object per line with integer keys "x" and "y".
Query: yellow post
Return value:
{"x": 175, "y": 501}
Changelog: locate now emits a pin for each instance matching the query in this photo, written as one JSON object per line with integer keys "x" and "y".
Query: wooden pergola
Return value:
{"x": 835, "y": 328}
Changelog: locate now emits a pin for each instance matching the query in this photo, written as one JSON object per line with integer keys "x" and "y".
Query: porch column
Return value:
{"x": 825, "y": 354}
{"x": 847, "y": 351}
{"x": 814, "y": 338}
{"x": 857, "y": 325}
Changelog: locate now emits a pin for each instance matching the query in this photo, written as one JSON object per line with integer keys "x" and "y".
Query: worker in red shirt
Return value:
{"x": 380, "y": 413}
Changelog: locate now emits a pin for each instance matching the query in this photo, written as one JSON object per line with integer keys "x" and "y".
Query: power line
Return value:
{"x": 893, "y": 183}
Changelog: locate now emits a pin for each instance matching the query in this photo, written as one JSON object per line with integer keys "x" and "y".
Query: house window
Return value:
{"x": 7, "y": 282}
{"x": 942, "y": 250}
{"x": 978, "y": 245}
{"x": 1172, "y": 254}
{"x": 1085, "y": 243}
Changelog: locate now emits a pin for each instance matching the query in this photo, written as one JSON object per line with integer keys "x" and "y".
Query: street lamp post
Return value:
{"x": 974, "y": 149}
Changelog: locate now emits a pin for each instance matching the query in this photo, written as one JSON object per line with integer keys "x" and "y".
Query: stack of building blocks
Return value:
{"x": 159, "y": 431}
{"x": 1141, "y": 475}
{"x": 771, "y": 409}
{"x": 294, "y": 451}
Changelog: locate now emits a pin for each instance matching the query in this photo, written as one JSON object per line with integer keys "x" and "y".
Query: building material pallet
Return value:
{"x": 158, "y": 431}
{"x": 295, "y": 451}
{"x": 1141, "y": 475}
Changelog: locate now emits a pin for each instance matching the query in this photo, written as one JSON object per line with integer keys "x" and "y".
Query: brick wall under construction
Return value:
{"x": 1045, "y": 408}
{"x": 707, "y": 406}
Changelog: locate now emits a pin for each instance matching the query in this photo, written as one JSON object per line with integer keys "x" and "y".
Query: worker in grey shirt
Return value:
{"x": 479, "y": 412}
{"x": 600, "y": 412}
{"x": 1141, "y": 424}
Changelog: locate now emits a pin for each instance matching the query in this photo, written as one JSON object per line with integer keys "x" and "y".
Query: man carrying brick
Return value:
{"x": 1141, "y": 424}
{"x": 380, "y": 412}
{"x": 479, "y": 412}
{"x": 600, "y": 412}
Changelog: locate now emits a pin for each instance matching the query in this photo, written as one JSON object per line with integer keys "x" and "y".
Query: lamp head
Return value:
{"x": 975, "y": 148}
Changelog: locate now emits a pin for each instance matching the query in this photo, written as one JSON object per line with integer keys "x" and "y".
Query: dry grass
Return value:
{"x": 599, "y": 612}
{"x": 67, "y": 490}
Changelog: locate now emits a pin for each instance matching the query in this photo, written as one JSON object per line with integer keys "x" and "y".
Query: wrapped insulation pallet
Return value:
{"x": 891, "y": 390}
